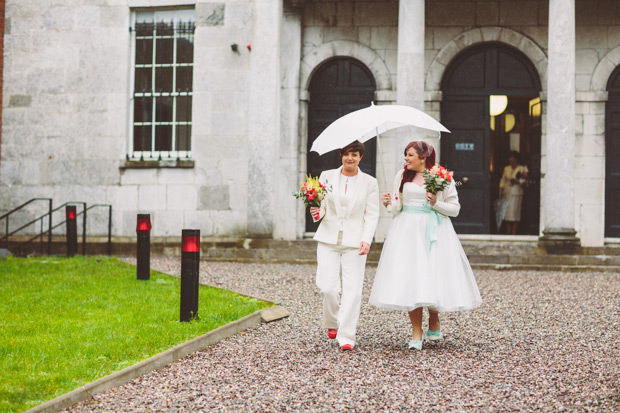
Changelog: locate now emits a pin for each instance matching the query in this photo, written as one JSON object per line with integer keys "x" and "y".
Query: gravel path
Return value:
{"x": 541, "y": 341}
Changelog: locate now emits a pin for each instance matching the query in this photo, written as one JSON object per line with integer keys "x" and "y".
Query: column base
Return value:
{"x": 559, "y": 242}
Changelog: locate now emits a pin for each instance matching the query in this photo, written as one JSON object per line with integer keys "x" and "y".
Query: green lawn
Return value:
{"x": 65, "y": 322}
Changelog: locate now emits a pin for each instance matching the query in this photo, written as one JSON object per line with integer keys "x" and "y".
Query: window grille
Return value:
{"x": 161, "y": 105}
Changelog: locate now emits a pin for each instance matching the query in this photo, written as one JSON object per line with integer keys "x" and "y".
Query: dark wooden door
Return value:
{"x": 474, "y": 75}
{"x": 465, "y": 151}
{"x": 338, "y": 87}
{"x": 612, "y": 157}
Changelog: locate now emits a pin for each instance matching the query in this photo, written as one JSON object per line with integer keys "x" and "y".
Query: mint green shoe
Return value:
{"x": 433, "y": 335}
{"x": 415, "y": 344}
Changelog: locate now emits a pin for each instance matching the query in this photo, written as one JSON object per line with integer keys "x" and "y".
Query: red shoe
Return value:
{"x": 332, "y": 332}
{"x": 347, "y": 347}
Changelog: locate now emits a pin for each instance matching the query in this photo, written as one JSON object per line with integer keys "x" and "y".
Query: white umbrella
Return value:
{"x": 369, "y": 122}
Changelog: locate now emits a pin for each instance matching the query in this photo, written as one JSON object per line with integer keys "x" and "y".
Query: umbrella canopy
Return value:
{"x": 369, "y": 122}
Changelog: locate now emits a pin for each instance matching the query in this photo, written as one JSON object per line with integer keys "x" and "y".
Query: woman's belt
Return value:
{"x": 432, "y": 224}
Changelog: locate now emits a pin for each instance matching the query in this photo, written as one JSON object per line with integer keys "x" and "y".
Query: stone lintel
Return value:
{"x": 385, "y": 96}
{"x": 583, "y": 96}
{"x": 594, "y": 96}
{"x": 174, "y": 163}
{"x": 433, "y": 96}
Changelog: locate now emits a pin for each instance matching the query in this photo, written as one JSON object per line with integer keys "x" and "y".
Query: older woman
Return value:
{"x": 423, "y": 263}
{"x": 511, "y": 189}
{"x": 349, "y": 216}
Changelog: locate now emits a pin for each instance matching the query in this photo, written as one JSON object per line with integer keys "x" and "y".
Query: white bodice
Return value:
{"x": 413, "y": 194}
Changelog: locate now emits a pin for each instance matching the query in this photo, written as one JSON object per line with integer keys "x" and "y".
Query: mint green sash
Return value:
{"x": 432, "y": 225}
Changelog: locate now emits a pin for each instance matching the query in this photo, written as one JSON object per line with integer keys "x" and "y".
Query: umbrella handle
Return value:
{"x": 380, "y": 159}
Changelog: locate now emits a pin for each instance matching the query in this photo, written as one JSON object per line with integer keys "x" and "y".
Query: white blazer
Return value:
{"x": 362, "y": 214}
{"x": 447, "y": 204}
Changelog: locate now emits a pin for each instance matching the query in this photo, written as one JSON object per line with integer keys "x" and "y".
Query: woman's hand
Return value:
{"x": 386, "y": 199}
{"x": 315, "y": 212}
{"x": 364, "y": 248}
{"x": 431, "y": 198}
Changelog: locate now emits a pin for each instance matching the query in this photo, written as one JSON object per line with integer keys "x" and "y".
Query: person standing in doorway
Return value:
{"x": 349, "y": 215}
{"x": 511, "y": 189}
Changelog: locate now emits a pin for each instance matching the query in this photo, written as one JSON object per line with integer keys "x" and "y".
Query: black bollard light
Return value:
{"x": 190, "y": 259}
{"x": 143, "y": 229}
{"x": 71, "y": 218}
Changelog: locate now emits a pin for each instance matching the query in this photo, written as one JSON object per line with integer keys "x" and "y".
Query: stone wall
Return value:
{"x": 66, "y": 97}
{"x": 67, "y": 123}
{"x": 2, "y": 29}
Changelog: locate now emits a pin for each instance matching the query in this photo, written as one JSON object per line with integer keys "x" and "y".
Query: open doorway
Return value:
{"x": 338, "y": 87}
{"x": 516, "y": 133}
{"x": 478, "y": 148}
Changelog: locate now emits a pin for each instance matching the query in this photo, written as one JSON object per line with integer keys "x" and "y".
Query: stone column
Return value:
{"x": 285, "y": 227}
{"x": 264, "y": 119}
{"x": 409, "y": 92}
{"x": 559, "y": 185}
{"x": 410, "y": 66}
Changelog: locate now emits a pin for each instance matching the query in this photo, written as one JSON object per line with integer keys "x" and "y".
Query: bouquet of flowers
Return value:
{"x": 312, "y": 192}
{"x": 438, "y": 178}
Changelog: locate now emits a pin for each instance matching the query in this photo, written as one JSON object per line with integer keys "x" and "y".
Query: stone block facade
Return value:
{"x": 67, "y": 90}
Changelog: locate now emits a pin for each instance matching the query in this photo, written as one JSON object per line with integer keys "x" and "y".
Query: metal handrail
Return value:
{"x": 49, "y": 231}
{"x": 83, "y": 220}
{"x": 51, "y": 228}
{"x": 109, "y": 224}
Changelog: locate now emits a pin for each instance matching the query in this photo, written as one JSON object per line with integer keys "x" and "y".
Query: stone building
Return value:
{"x": 201, "y": 112}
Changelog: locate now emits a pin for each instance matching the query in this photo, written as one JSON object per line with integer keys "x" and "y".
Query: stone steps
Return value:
{"x": 483, "y": 252}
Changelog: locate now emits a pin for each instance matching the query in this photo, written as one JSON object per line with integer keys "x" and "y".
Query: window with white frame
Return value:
{"x": 161, "y": 104}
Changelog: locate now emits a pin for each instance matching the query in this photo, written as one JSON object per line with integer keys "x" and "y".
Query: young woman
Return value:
{"x": 349, "y": 215}
{"x": 423, "y": 263}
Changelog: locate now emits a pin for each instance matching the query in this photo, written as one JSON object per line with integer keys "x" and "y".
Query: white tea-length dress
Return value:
{"x": 409, "y": 275}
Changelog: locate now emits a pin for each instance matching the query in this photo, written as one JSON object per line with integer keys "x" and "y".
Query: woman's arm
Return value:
{"x": 319, "y": 212}
{"x": 502, "y": 181}
{"x": 371, "y": 214}
{"x": 396, "y": 205}
{"x": 449, "y": 204}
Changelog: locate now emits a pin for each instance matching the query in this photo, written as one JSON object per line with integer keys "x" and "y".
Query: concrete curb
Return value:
{"x": 553, "y": 268}
{"x": 160, "y": 360}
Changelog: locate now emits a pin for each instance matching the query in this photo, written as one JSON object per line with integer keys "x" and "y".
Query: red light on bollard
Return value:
{"x": 143, "y": 230}
{"x": 71, "y": 222}
{"x": 144, "y": 222}
{"x": 71, "y": 212}
{"x": 190, "y": 262}
{"x": 190, "y": 243}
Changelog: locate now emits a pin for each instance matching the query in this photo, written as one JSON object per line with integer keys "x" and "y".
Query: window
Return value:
{"x": 161, "y": 103}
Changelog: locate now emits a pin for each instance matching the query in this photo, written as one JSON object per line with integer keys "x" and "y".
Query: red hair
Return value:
{"x": 423, "y": 150}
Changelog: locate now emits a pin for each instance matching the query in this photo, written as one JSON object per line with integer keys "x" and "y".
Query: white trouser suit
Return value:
{"x": 345, "y": 224}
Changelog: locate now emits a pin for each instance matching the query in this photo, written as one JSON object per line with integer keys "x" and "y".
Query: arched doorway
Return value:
{"x": 479, "y": 145}
{"x": 612, "y": 156}
{"x": 339, "y": 86}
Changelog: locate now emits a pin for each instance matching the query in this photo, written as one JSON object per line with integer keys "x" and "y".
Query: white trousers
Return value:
{"x": 340, "y": 314}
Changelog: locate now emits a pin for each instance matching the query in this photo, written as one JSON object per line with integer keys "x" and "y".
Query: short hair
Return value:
{"x": 355, "y": 146}
{"x": 514, "y": 154}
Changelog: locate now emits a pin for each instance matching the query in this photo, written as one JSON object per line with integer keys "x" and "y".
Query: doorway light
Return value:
{"x": 509, "y": 121}
{"x": 498, "y": 104}
{"x": 535, "y": 108}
